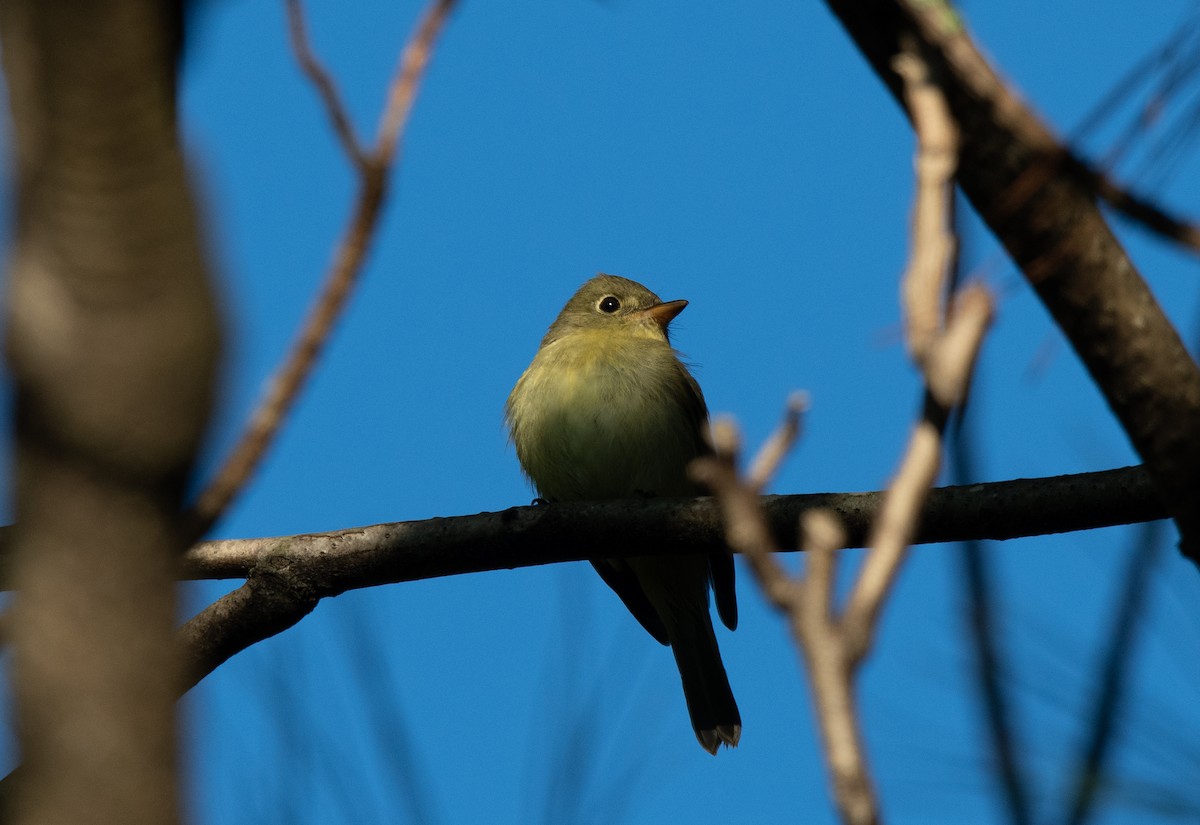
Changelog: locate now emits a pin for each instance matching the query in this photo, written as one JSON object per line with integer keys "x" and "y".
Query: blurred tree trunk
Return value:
{"x": 112, "y": 342}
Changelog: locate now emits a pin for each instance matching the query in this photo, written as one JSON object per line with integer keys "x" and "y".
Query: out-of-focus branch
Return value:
{"x": 777, "y": 447}
{"x": 112, "y": 339}
{"x": 945, "y": 352}
{"x": 950, "y": 367}
{"x": 979, "y": 607}
{"x": 982, "y": 618}
{"x": 1171, "y": 60}
{"x": 924, "y": 282}
{"x": 1113, "y": 677}
{"x": 1142, "y": 210}
{"x": 834, "y": 645}
{"x": 374, "y": 169}
{"x": 1012, "y": 169}
{"x": 746, "y": 530}
{"x": 806, "y": 602}
{"x": 324, "y": 83}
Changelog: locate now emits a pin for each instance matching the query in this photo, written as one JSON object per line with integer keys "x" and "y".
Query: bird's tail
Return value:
{"x": 710, "y": 702}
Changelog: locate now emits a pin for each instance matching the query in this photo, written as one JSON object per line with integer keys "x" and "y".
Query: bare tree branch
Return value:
{"x": 1011, "y": 168}
{"x": 745, "y": 528}
{"x": 339, "y": 118}
{"x": 951, "y": 362}
{"x": 924, "y": 284}
{"x": 374, "y": 171}
{"x": 569, "y": 531}
{"x": 1142, "y": 210}
{"x": 944, "y": 350}
{"x": 276, "y": 595}
{"x": 807, "y": 603}
{"x": 334, "y": 562}
{"x": 1170, "y": 59}
{"x": 833, "y": 644}
{"x": 831, "y": 670}
{"x": 402, "y": 551}
{"x": 112, "y": 339}
{"x": 772, "y": 453}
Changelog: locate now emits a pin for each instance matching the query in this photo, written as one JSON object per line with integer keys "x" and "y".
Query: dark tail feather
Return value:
{"x": 710, "y": 702}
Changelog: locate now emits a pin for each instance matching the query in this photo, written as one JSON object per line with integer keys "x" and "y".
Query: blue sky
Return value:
{"x": 741, "y": 156}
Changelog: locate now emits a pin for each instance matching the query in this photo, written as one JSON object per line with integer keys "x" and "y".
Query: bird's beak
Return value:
{"x": 663, "y": 314}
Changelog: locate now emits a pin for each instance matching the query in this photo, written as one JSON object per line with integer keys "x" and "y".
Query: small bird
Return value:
{"x": 607, "y": 411}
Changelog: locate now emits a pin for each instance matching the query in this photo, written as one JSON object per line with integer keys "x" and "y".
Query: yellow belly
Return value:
{"x": 605, "y": 422}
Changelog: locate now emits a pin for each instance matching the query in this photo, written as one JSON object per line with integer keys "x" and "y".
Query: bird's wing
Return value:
{"x": 696, "y": 410}
{"x": 720, "y": 565}
{"x": 624, "y": 583}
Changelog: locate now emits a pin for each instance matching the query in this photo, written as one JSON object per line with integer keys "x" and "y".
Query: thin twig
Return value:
{"x": 944, "y": 356}
{"x": 949, "y": 373}
{"x": 891, "y": 534}
{"x": 1141, "y": 210}
{"x": 324, "y": 83}
{"x": 746, "y": 528}
{"x": 777, "y": 447}
{"x": 1114, "y": 675}
{"x": 403, "y": 91}
{"x": 375, "y": 169}
{"x": 980, "y": 614}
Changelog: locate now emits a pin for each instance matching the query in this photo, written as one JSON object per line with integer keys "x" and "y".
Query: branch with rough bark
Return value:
{"x": 288, "y": 575}
{"x": 1019, "y": 178}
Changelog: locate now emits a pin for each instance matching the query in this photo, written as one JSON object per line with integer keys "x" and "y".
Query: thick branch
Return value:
{"x": 569, "y": 531}
{"x": 1020, "y": 180}
{"x": 290, "y": 574}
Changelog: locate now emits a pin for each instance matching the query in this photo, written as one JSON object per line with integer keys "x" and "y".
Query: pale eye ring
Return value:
{"x": 609, "y": 304}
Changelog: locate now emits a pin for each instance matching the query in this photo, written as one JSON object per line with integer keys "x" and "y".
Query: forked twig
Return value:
{"x": 807, "y": 602}
{"x": 325, "y": 85}
{"x": 374, "y": 169}
{"x": 944, "y": 343}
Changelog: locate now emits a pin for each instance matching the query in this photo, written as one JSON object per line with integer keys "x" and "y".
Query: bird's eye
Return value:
{"x": 609, "y": 304}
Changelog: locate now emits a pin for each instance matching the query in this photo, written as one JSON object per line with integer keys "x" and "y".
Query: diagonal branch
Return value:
{"x": 374, "y": 171}
{"x": 1142, "y": 210}
{"x": 1012, "y": 169}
